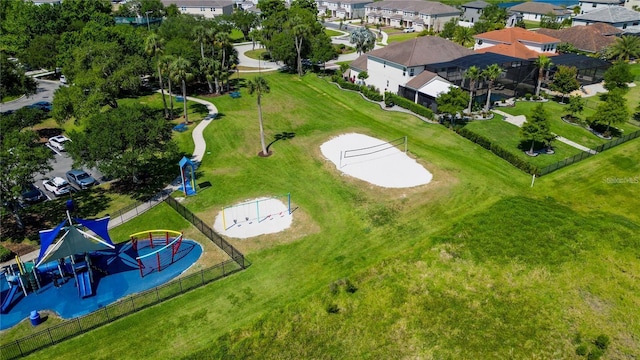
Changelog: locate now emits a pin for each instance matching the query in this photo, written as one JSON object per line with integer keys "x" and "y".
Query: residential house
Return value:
{"x": 616, "y": 16}
{"x": 534, "y": 11}
{"x": 472, "y": 11}
{"x": 593, "y": 39}
{"x": 591, "y": 5}
{"x": 344, "y": 9}
{"x": 516, "y": 42}
{"x": 418, "y": 14}
{"x": 205, "y": 8}
{"x": 398, "y": 63}
{"x": 632, "y": 4}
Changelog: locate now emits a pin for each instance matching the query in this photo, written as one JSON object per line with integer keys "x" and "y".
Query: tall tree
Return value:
{"x": 625, "y": 48}
{"x": 564, "y": 80}
{"x": 491, "y": 74}
{"x": 543, "y": 63}
{"x": 537, "y": 128}
{"x": 165, "y": 64}
{"x": 618, "y": 76}
{"x": 14, "y": 82}
{"x": 473, "y": 74}
{"x": 124, "y": 142}
{"x": 244, "y": 21}
{"x": 576, "y": 105}
{"x": 300, "y": 30}
{"x": 613, "y": 110}
{"x": 259, "y": 86}
{"x": 181, "y": 72}
{"x": 463, "y": 35}
{"x": 154, "y": 46}
{"x": 363, "y": 39}
{"x": 453, "y": 101}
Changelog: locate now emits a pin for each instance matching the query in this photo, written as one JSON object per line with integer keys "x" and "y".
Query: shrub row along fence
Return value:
{"x": 529, "y": 168}
{"x": 584, "y": 155}
{"x": 117, "y": 310}
{"x": 369, "y": 92}
{"x": 208, "y": 232}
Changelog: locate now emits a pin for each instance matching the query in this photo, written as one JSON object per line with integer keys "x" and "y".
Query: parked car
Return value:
{"x": 58, "y": 142}
{"x": 32, "y": 195}
{"x": 80, "y": 179}
{"x": 57, "y": 185}
{"x": 409, "y": 30}
{"x": 42, "y": 105}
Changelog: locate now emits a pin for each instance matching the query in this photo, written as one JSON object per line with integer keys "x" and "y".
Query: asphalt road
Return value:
{"x": 44, "y": 93}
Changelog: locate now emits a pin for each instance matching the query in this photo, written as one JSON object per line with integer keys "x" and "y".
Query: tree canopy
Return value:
{"x": 453, "y": 101}
{"x": 123, "y": 143}
{"x": 618, "y": 76}
{"x": 14, "y": 82}
{"x": 537, "y": 128}
{"x": 564, "y": 80}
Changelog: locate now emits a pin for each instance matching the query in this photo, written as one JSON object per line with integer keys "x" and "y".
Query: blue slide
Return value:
{"x": 9, "y": 299}
{"x": 84, "y": 285}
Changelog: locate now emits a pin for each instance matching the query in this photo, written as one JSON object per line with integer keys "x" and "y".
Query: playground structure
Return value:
{"x": 67, "y": 258}
{"x": 252, "y": 211}
{"x": 156, "y": 249}
{"x": 187, "y": 177}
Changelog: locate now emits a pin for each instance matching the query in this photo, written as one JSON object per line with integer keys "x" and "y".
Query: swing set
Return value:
{"x": 257, "y": 210}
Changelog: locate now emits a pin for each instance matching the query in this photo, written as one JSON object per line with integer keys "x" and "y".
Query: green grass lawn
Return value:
{"x": 331, "y": 33}
{"x": 399, "y": 36}
{"x": 256, "y": 54}
{"x": 476, "y": 264}
{"x": 508, "y": 136}
{"x": 530, "y": 24}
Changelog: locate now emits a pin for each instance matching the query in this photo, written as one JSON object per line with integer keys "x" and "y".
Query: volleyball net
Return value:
{"x": 399, "y": 144}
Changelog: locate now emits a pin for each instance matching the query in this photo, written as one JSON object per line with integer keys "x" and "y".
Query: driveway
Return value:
{"x": 45, "y": 91}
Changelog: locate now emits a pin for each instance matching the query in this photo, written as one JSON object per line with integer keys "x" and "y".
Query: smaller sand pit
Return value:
{"x": 253, "y": 218}
{"x": 377, "y": 162}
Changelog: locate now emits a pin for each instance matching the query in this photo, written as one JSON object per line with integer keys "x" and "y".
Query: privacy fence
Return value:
{"x": 117, "y": 310}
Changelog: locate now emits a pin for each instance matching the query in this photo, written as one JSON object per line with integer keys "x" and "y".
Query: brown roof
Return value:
{"x": 360, "y": 63}
{"x": 516, "y": 49}
{"x": 421, "y": 51}
{"x": 537, "y": 8}
{"x": 593, "y": 38}
{"x": 515, "y": 34}
{"x": 421, "y": 79}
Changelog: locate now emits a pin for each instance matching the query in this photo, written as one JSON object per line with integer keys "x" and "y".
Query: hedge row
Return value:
{"x": 512, "y": 158}
{"x": 5, "y": 254}
{"x": 370, "y": 93}
{"x": 409, "y": 105}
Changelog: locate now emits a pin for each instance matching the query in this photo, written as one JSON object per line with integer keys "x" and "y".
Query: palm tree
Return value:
{"x": 259, "y": 86}
{"x": 463, "y": 35}
{"x": 542, "y": 63}
{"x": 222, "y": 40}
{"x": 300, "y": 30}
{"x": 625, "y": 48}
{"x": 165, "y": 63}
{"x": 180, "y": 72}
{"x": 200, "y": 35}
{"x": 491, "y": 73}
{"x": 473, "y": 74}
{"x": 363, "y": 39}
{"x": 154, "y": 46}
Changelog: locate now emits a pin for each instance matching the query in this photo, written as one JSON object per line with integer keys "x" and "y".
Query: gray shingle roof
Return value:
{"x": 611, "y": 14}
{"x": 478, "y": 4}
{"x": 537, "y": 8}
{"x": 421, "y": 51}
{"x": 615, "y": 2}
{"x": 198, "y": 3}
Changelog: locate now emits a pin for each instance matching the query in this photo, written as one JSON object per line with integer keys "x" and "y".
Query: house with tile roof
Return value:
{"x": 593, "y": 39}
{"x": 204, "y": 8}
{"x": 616, "y": 16}
{"x": 516, "y": 42}
{"x": 344, "y": 9}
{"x": 534, "y": 11}
{"x": 418, "y": 14}
{"x": 591, "y": 5}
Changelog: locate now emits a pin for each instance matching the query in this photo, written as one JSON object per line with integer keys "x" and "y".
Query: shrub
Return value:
{"x": 595, "y": 354}
{"x": 582, "y": 350}
{"x": 332, "y": 308}
{"x": 409, "y": 105}
{"x": 602, "y": 342}
{"x": 527, "y": 96}
{"x": 5, "y": 254}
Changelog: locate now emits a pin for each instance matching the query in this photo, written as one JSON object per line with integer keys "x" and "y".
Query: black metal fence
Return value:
{"x": 133, "y": 210}
{"x": 117, "y": 310}
{"x": 585, "y": 155}
{"x": 208, "y": 232}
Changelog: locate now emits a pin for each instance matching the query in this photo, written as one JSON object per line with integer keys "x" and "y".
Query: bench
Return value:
{"x": 180, "y": 127}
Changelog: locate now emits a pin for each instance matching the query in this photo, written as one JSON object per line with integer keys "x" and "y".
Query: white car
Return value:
{"x": 57, "y": 185}
{"x": 409, "y": 30}
{"x": 57, "y": 142}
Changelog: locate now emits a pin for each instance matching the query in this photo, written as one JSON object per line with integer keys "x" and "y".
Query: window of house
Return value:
{"x": 201, "y": 9}
{"x": 411, "y": 72}
{"x": 183, "y": 9}
{"x": 593, "y": 5}
{"x": 624, "y": 26}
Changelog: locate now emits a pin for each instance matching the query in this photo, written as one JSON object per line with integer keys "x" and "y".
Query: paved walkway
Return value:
{"x": 198, "y": 152}
{"x": 518, "y": 120}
